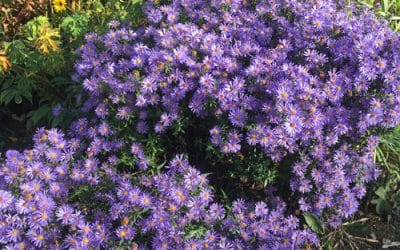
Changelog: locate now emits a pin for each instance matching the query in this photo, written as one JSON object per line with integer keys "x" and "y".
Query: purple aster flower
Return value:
{"x": 37, "y": 237}
{"x": 145, "y": 200}
{"x": 324, "y": 201}
{"x": 261, "y": 209}
{"x": 13, "y": 234}
{"x": 104, "y": 129}
{"x": 65, "y": 214}
{"x": 217, "y": 211}
{"x": 6, "y": 200}
{"x": 123, "y": 113}
{"x": 142, "y": 127}
{"x": 237, "y": 117}
{"x": 293, "y": 125}
{"x": 340, "y": 158}
{"x": 304, "y": 206}
{"x": 113, "y": 24}
{"x": 137, "y": 149}
{"x": 57, "y": 109}
{"x": 53, "y": 155}
{"x": 192, "y": 179}
{"x": 206, "y": 196}
{"x": 125, "y": 232}
{"x": 101, "y": 110}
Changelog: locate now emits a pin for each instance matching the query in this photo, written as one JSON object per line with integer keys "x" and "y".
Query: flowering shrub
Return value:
{"x": 286, "y": 77}
{"x": 51, "y": 200}
{"x": 308, "y": 84}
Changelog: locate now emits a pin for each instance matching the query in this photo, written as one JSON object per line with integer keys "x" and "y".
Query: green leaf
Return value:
{"x": 5, "y": 93}
{"x": 386, "y": 6}
{"x": 7, "y": 83}
{"x": 31, "y": 28}
{"x": 9, "y": 96}
{"x": 383, "y": 207}
{"x": 329, "y": 245}
{"x": 396, "y": 197}
{"x": 358, "y": 229}
{"x": 18, "y": 99}
{"x": 38, "y": 115}
{"x": 27, "y": 95}
{"x": 75, "y": 25}
{"x": 56, "y": 121}
{"x": 195, "y": 231}
{"x": 381, "y": 192}
{"x": 313, "y": 222}
{"x": 224, "y": 195}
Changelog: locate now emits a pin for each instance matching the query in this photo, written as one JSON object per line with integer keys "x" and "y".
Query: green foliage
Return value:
{"x": 32, "y": 27}
{"x": 382, "y": 204}
{"x": 359, "y": 229}
{"x": 387, "y": 192}
{"x": 38, "y": 59}
{"x": 195, "y": 230}
{"x": 75, "y": 25}
{"x": 387, "y": 196}
{"x": 388, "y": 9}
{"x": 256, "y": 170}
{"x": 313, "y": 223}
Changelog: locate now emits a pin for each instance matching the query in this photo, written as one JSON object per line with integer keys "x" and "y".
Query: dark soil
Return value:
{"x": 387, "y": 232}
{"x": 14, "y": 133}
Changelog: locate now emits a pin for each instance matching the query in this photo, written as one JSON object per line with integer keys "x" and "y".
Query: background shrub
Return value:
{"x": 38, "y": 47}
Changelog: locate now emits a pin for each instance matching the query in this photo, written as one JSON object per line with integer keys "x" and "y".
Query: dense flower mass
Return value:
{"x": 39, "y": 210}
{"x": 313, "y": 80}
{"x": 310, "y": 79}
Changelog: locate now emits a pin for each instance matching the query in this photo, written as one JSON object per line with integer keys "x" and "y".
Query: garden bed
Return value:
{"x": 199, "y": 125}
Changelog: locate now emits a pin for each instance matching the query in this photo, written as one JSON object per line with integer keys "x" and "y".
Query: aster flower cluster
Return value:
{"x": 313, "y": 79}
{"x": 38, "y": 208}
{"x": 184, "y": 203}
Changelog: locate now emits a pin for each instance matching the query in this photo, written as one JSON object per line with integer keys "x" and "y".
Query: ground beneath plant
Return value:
{"x": 386, "y": 232}
{"x": 14, "y": 132}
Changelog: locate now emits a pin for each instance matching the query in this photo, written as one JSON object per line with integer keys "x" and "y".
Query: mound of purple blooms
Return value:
{"x": 315, "y": 80}
{"x": 39, "y": 210}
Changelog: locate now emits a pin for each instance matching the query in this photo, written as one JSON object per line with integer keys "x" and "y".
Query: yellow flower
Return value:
{"x": 4, "y": 62}
{"x": 59, "y": 5}
{"x": 47, "y": 40}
